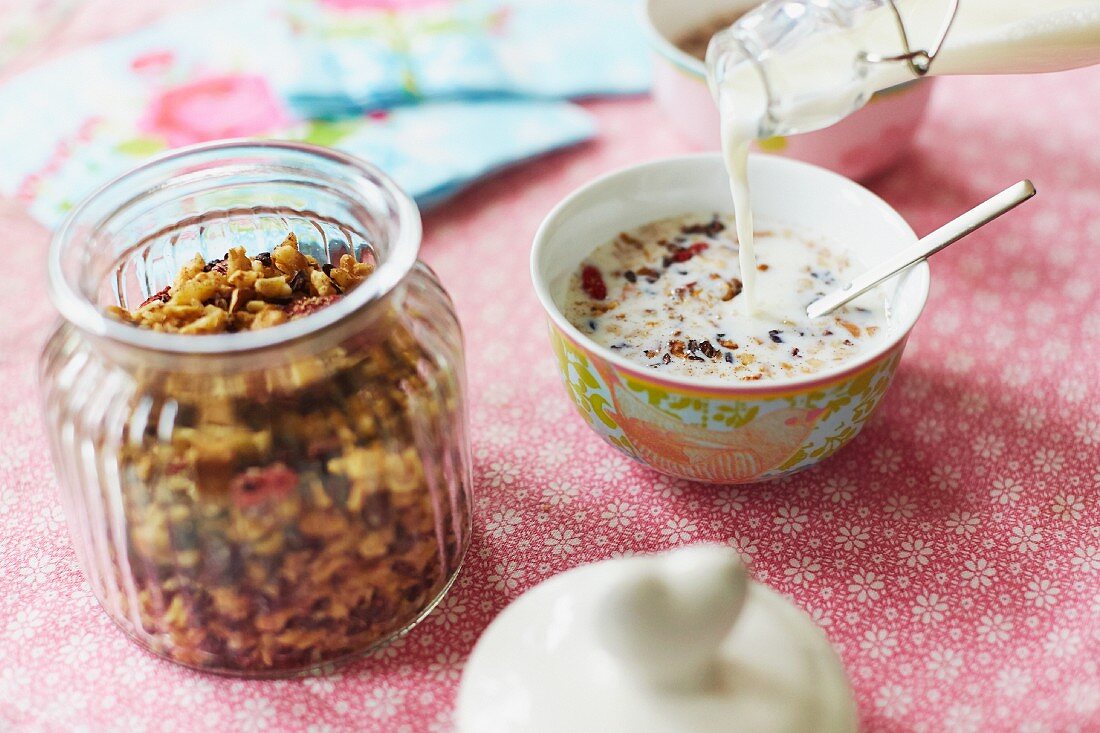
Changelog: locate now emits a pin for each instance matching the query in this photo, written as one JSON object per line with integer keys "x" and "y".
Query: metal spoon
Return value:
{"x": 925, "y": 247}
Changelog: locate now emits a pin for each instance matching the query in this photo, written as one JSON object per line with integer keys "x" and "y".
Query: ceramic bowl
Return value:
{"x": 866, "y": 143}
{"x": 713, "y": 430}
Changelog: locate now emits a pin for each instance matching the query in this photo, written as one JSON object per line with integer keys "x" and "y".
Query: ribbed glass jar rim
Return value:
{"x": 69, "y": 294}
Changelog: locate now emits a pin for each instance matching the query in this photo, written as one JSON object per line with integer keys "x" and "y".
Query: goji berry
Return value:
{"x": 592, "y": 283}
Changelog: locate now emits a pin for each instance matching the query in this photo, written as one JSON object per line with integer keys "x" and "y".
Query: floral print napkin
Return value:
{"x": 365, "y": 54}
{"x": 284, "y": 68}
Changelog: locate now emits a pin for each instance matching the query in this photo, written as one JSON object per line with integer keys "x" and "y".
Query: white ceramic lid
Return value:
{"x": 678, "y": 642}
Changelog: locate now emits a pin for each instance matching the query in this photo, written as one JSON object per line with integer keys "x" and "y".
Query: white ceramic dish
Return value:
{"x": 783, "y": 425}
{"x": 868, "y": 142}
{"x": 681, "y": 642}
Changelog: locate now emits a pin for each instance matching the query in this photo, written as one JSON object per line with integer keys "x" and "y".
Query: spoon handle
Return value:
{"x": 927, "y": 246}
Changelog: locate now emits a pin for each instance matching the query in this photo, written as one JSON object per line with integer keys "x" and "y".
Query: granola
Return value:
{"x": 293, "y": 515}
{"x": 240, "y": 293}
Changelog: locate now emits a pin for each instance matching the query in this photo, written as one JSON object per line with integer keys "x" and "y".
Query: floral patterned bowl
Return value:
{"x": 712, "y": 430}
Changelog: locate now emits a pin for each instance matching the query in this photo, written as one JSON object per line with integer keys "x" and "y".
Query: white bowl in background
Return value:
{"x": 867, "y": 143}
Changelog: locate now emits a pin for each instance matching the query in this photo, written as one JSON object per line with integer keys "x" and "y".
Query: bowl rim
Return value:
{"x": 685, "y": 62}
{"x": 664, "y": 46}
{"x": 905, "y": 322}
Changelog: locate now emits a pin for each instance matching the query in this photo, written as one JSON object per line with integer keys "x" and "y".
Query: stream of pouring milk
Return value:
{"x": 737, "y": 163}
{"x": 988, "y": 37}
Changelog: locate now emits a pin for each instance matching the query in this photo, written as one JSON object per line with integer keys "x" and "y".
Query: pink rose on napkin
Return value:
{"x": 381, "y": 4}
{"x": 234, "y": 105}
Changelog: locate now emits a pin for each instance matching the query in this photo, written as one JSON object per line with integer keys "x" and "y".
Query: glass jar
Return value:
{"x": 265, "y": 502}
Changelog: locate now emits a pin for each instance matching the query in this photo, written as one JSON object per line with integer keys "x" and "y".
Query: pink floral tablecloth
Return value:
{"x": 951, "y": 553}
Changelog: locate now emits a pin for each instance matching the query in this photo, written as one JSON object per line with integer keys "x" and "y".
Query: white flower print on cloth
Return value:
{"x": 1048, "y": 460}
{"x": 945, "y": 664}
{"x": 978, "y": 573}
{"x": 1072, "y": 390}
{"x": 618, "y": 514}
{"x": 994, "y": 628}
{"x": 1025, "y": 538}
{"x": 559, "y": 493}
{"x": 611, "y": 469}
{"x": 946, "y": 478}
{"x": 25, "y": 624}
{"x": 79, "y": 648}
{"x": 1042, "y": 592}
{"x": 320, "y": 685}
{"x": 989, "y": 446}
{"x": 1005, "y": 490}
{"x": 255, "y": 714}
{"x": 1013, "y": 681}
{"x": 886, "y": 460}
{"x": 382, "y": 702}
{"x": 503, "y": 523}
{"x": 962, "y": 718}
{"x": 838, "y": 490}
{"x": 1086, "y": 558}
{"x": 677, "y": 531}
{"x": 729, "y": 500}
{"x": 450, "y": 612}
{"x": 900, "y": 507}
{"x": 562, "y": 542}
{"x": 852, "y": 538}
{"x": 802, "y": 570}
{"x": 963, "y": 523}
{"x": 865, "y": 587}
{"x": 37, "y": 569}
{"x": 1068, "y": 507}
{"x": 791, "y": 520}
{"x": 501, "y": 473}
{"x": 915, "y": 552}
{"x": 1032, "y": 417}
{"x": 506, "y": 576}
{"x": 447, "y": 666}
{"x": 879, "y": 643}
{"x": 930, "y": 430}
{"x": 1088, "y": 432}
{"x": 1083, "y": 697}
{"x": 49, "y": 519}
{"x": 893, "y": 700}
{"x": 929, "y": 608}
{"x": 1062, "y": 643}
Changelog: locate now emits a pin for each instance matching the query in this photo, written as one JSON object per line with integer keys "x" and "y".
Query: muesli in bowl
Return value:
{"x": 638, "y": 274}
{"x": 256, "y": 402}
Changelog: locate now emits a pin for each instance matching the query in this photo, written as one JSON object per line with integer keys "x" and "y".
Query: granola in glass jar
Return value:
{"x": 293, "y": 516}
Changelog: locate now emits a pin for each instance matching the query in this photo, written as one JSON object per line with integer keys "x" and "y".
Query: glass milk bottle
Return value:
{"x": 793, "y": 66}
